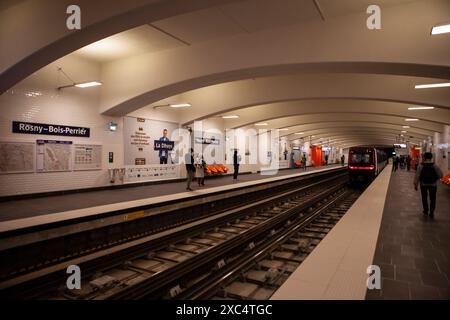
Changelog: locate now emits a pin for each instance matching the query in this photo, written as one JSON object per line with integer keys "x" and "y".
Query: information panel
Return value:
{"x": 16, "y": 157}
{"x": 87, "y": 157}
{"x": 53, "y": 155}
{"x": 151, "y": 173}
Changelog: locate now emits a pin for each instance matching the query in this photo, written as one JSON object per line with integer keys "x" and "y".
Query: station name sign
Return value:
{"x": 49, "y": 129}
{"x": 207, "y": 141}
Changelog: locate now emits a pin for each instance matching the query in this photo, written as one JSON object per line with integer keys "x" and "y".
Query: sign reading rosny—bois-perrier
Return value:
{"x": 49, "y": 129}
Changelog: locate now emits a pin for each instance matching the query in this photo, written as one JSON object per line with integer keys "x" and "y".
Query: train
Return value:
{"x": 365, "y": 163}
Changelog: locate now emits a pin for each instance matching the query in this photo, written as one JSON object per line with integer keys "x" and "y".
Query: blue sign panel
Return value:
{"x": 163, "y": 145}
{"x": 207, "y": 141}
{"x": 49, "y": 129}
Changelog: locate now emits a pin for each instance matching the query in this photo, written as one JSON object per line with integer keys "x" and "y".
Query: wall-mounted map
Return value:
{"x": 16, "y": 157}
{"x": 87, "y": 157}
{"x": 53, "y": 155}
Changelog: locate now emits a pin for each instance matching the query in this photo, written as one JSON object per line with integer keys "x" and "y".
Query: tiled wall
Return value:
{"x": 36, "y": 99}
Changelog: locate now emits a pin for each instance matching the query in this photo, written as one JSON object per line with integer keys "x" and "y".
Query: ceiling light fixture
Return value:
{"x": 78, "y": 85}
{"x": 440, "y": 29}
{"x": 284, "y": 129}
{"x": 411, "y": 119}
{"x": 230, "y": 117}
{"x": 174, "y": 105}
{"x": 420, "y": 108}
{"x": 88, "y": 84}
{"x": 261, "y": 124}
{"x": 432, "y": 85}
{"x": 405, "y": 127}
{"x": 299, "y": 133}
{"x": 180, "y": 105}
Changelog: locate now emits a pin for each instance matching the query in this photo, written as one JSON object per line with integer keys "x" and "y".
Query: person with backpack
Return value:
{"x": 427, "y": 175}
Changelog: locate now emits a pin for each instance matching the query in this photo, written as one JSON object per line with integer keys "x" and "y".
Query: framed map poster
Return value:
{"x": 16, "y": 157}
{"x": 87, "y": 157}
{"x": 53, "y": 155}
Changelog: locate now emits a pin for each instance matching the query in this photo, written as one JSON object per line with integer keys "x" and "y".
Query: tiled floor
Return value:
{"x": 25, "y": 208}
{"x": 412, "y": 251}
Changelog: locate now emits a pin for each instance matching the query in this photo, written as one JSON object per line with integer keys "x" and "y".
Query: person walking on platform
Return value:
{"x": 427, "y": 175}
{"x": 190, "y": 168}
{"x": 343, "y": 160}
{"x": 396, "y": 161}
{"x": 408, "y": 163}
{"x": 200, "y": 171}
{"x": 236, "y": 160}
{"x": 304, "y": 162}
{"x": 416, "y": 162}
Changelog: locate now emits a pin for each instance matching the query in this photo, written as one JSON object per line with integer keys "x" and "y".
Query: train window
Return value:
{"x": 360, "y": 158}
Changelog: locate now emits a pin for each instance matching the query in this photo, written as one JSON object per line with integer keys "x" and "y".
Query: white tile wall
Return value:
{"x": 37, "y": 100}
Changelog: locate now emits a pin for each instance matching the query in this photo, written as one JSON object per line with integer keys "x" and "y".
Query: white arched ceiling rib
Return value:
{"x": 267, "y": 112}
{"x": 339, "y": 45}
{"x": 331, "y": 132}
{"x": 233, "y": 97}
{"x": 351, "y": 117}
{"x": 306, "y": 128}
{"x": 338, "y": 127}
{"x": 52, "y": 40}
{"x": 344, "y": 125}
{"x": 340, "y": 137}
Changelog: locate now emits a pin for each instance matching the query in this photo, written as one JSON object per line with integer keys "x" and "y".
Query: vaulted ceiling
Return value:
{"x": 311, "y": 67}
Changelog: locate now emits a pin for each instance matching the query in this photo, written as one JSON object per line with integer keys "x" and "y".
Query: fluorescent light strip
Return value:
{"x": 411, "y": 119}
{"x": 445, "y": 28}
{"x": 284, "y": 129}
{"x": 230, "y": 117}
{"x": 261, "y": 124}
{"x": 180, "y": 105}
{"x": 432, "y": 85}
{"x": 406, "y": 127}
{"x": 88, "y": 84}
{"x": 299, "y": 133}
{"x": 420, "y": 108}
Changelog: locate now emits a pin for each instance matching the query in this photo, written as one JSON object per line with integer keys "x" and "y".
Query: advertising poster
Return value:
{"x": 148, "y": 142}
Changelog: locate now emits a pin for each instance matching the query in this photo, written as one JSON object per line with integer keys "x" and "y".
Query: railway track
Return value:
{"x": 22, "y": 253}
{"x": 259, "y": 275}
{"x": 164, "y": 266}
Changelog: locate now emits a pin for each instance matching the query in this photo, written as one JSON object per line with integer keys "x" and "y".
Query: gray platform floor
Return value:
{"x": 412, "y": 251}
{"x": 24, "y": 208}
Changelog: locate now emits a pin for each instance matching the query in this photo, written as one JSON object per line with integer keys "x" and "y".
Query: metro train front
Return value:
{"x": 365, "y": 163}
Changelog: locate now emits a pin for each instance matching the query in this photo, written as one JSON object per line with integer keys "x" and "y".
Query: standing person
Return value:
{"x": 326, "y": 159}
{"x": 163, "y": 152}
{"x": 396, "y": 160}
{"x": 343, "y": 160}
{"x": 408, "y": 163}
{"x": 416, "y": 162}
{"x": 200, "y": 171}
{"x": 427, "y": 175}
{"x": 304, "y": 162}
{"x": 236, "y": 160}
{"x": 190, "y": 168}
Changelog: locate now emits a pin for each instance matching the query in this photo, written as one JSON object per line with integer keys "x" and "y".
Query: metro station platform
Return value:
{"x": 114, "y": 199}
{"x": 384, "y": 227}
